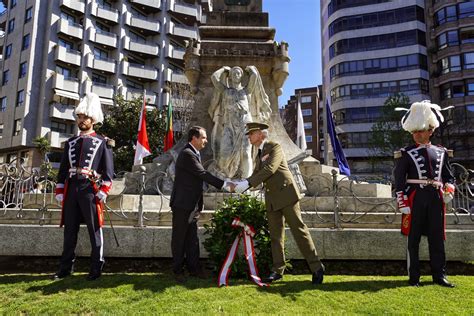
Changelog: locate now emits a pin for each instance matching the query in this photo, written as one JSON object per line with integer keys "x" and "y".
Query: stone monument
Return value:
{"x": 236, "y": 71}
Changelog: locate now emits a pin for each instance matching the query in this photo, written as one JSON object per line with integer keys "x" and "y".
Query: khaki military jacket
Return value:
{"x": 271, "y": 169}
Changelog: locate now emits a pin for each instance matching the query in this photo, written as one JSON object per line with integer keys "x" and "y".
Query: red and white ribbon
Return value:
{"x": 248, "y": 232}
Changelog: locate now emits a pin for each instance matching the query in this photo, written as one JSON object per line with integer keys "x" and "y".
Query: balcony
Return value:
{"x": 183, "y": 10}
{"x": 101, "y": 37}
{"x": 151, "y": 5}
{"x": 144, "y": 25}
{"x": 141, "y": 47}
{"x": 175, "y": 52}
{"x": 56, "y": 139}
{"x": 68, "y": 56}
{"x": 3, "y": 17}
{"x": 61, "y": 111}
{"x": 72, "y": 30}
{"x": 130, "y": 94}
{"x": 105, "y": 12}
{"x": 102, "y": 64}
{"x": 175, "y": 77}
{"x": 2, "y": 38}
{"x": 181, "y": 30}
{"x": 103, "y": 91}
{"x": 75, "y": 5}
{"x": 67, "y": 84}
{"x": 139, "y": 71}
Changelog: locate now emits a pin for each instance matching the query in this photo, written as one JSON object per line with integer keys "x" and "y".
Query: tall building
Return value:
{"x": 53, "y": 52}
{"x": 451, "y": 62}
{"x": 311, "y": 109}
{"x": 371, "y": 49}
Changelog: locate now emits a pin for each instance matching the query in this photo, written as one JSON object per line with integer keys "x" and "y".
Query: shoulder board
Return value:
{"x": 397, "y": 154}
{"x": 450, "y": 153}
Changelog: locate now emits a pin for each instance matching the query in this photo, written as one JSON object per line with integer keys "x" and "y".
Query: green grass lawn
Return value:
{"x": 148, "y": 293}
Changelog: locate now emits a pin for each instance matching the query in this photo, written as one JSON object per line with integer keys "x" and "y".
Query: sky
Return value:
{"x": 297, "y": 22}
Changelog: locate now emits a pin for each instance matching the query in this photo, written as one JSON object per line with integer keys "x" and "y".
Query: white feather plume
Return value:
{"x": 90, "y": 106}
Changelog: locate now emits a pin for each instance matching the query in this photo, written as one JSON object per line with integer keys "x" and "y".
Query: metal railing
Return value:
{"x": 331, "y": 200}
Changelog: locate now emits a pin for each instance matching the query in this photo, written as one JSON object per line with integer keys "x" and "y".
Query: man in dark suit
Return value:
{"x": 282, "y": 202}
{"x": 187, "y": 202}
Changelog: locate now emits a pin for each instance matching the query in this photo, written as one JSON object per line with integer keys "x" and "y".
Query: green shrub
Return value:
{"x": 221, "y": 235}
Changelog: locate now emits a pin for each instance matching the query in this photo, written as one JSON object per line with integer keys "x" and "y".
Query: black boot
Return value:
{"x": 95, "y": 271}
{"x": 62, "y": 273}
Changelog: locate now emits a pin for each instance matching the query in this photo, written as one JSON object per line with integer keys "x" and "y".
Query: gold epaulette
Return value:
{"x": 450, "y": 153}
{"x": 397, "y": 154}
{"x": 110, "y": 142}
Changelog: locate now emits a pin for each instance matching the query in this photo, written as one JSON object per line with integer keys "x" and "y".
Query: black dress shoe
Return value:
{"x": 93, "y": 275}
{"x": 318, "y": 277}
{"x": 61, "y": 274}
{"x": 273, "y": 277}
{"x": 444, "y": 282}
{"x": 415, "y": 283}
{"x": 180, "y": 278}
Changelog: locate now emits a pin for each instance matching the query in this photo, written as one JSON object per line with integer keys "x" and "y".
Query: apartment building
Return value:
{"x": 371, "y": 49}
{"x": 450, "y": 26}
{"x": 312, "y": 111}
{"x": 53, "y": 52}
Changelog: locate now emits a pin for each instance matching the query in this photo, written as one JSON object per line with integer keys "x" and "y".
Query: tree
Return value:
{"x": 44, "y": 147}
{"x": 121, "y": 124}
{"x": 387, "y": 132}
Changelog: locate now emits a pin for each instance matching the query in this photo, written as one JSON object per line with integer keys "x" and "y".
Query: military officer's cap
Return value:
{"x": 255, "y": 126}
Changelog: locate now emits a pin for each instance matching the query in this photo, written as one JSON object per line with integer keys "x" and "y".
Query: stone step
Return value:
{"x": 153, "y": 242}
{"x": 164, "y": 217}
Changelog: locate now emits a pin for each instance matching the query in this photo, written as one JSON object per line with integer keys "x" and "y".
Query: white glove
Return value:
{"x": 101, "y": 196}
{"x": 59, "y": 197}
{"x": 447, "y": 197}
{"x": 226, "y": 186}
{"x": 241, "y": 186}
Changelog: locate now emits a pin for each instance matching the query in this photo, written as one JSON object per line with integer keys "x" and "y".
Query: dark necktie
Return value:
{"x": 259, "y": 153}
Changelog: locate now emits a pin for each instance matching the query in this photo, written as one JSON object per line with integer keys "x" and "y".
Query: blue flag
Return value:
{"x": 336, "y": 145}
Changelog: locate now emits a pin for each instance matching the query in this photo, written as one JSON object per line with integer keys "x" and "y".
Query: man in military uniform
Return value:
{"x": 86, "y": 158}
{"x": 424, "y": 183}
{"x": 282, "y": 202}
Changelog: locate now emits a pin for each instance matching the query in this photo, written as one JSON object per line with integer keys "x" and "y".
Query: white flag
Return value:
{"x": 300, "y": 134}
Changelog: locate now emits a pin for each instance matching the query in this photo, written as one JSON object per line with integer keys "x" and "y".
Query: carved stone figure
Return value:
{"x": 233, "y": 105}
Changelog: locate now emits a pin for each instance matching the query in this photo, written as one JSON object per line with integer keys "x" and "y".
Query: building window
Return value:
{"x": 3, "y": 104}
{"x": 71, "y": 19}
{"x": 306, "y": 112}
{"x": 133, "y": 85}
{"x": 12, "y": 4}
{"x": 23, "y": 70}
{"x": 8, "y": 51}
{"x": 17, "y": 127}
{"x": 100, "y": 54}
{"x": 28, "y": 14}
{"x": 26, "y": 42}
{"x": 20, "y": 98}
{"x": 66, "y": 72}
{"x": 306, "y": 99}
{"x": 11, "y": 25}
{"x": 66, "y": 44}
{"x": 308, "y": 125}
{"x": 61, "y": 127}
{"x": 309, "y": 138}
{"x": 6, "y": 77}
{"x": 96, "y": 78}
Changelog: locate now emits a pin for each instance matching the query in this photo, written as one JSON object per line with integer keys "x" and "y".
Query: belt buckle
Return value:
{"x": 78, "y": 170}
{"x": 430, "y": 182}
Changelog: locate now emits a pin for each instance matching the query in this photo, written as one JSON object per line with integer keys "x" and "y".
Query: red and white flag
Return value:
{"x": 143, "y": 147}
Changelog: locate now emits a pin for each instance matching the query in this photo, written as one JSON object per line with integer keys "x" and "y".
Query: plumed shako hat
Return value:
{"x": 90, "y": 106}
{"x": 422, "y": 116}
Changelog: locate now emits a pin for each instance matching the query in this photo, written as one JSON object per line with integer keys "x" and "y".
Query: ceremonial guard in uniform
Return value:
{"x": 84, "y": 180}
{"x": 424, "y": 184}
{"x": 282, "y": 203}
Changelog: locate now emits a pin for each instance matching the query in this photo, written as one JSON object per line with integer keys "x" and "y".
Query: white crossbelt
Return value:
{"x": 432, "y": 182}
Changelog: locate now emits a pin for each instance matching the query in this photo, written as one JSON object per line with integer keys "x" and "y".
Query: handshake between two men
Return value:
{"x": 236, "y": 186}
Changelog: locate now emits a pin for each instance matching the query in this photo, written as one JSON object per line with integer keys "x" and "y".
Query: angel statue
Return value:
{"x": 233, "y": 105}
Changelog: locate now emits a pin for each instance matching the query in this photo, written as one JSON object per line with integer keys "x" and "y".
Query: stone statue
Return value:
{"x": 232, "y": 106}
